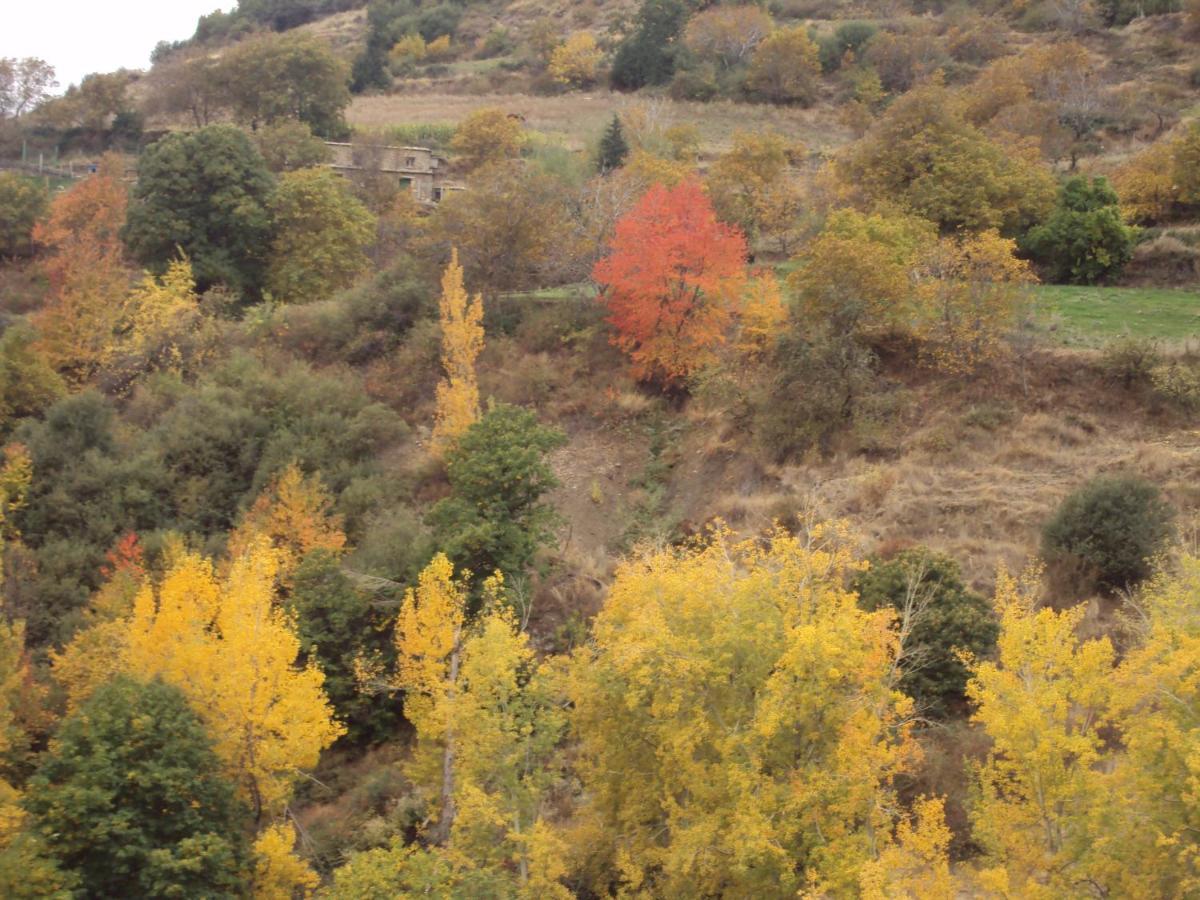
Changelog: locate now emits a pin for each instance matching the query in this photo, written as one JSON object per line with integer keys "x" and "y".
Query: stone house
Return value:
{"x": 417, "y": 168}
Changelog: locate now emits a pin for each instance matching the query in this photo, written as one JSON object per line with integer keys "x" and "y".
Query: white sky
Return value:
{"x": 78, "y": 37}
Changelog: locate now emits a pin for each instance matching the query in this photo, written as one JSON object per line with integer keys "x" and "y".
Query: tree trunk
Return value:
{"x": 446, "y": 818}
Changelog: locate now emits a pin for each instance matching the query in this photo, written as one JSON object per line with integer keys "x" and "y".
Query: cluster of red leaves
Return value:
{"x": 671, "y": 281}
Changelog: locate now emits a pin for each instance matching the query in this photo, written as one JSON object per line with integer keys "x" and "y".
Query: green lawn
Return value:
{"x": 1074, "y": 316}
{"x": 1091, "y": 315}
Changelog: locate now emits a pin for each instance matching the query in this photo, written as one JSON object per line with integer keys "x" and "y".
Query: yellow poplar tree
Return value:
{"x": 1151, "y": 839}
{"x": 1042, "y": 703}
{"x": 507, "y": 729}
{"x": 97, "y": 652}
{"x": 232, "y": 651}
{"x": 486, "y": 728}
{"x": 575, "y": 61}
{"x": 462, "y": 341}
{"x": 916, "y": 866}
{"x": 428, "y": 633}
{"x": 159, "y": 327}
{"x": 739, "y": 727}
{"x": 762, "y": 316}
{"x": 278, "y": 873}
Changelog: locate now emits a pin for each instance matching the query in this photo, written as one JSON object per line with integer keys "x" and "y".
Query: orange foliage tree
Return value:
{"x": 295, "y": 514}
{"x": 86, "y": 271}
{"x": 671, "y": 281}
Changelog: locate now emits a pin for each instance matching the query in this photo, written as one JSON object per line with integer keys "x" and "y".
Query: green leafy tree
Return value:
{"x": 1085, "y": 239}
{"x": 321, "y": 236}
{"x": 924, "y": 156}
{"x": 131, "y": 797}
{"x": 647, "y": 56}
{"x": 90, "y": 487}
{"x": 1113, "y": 527}
{"x": 495, "y": 517}
{"x": 820, "y": 379}
{"x": 28, "y": 384}
{"x": 510, "y": 229}
{"x": 280, "y": 15}
{"x": 22, "y": 202}
{"x": 370, "y": 69}
{"x": 288, "y": 145}
{"x": 613, "y": 146}
{"x": 291, "y": 76}
{"x": 337, "y": 625}
{"x": 205, "y": 193}
{"x": 849, "y": 37}
{"x": 938, "y": 618}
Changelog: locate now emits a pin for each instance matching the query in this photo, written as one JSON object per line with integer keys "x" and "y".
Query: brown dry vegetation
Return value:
{"x": 972, "y": 469}
{"x": 579, "y": 118}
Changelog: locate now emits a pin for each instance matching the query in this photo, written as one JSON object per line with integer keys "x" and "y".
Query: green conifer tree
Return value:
{"x": 613, "y": 147}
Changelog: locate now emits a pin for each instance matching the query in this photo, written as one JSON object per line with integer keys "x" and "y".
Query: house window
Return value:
{"x": 406, "y": 184}
{"x": 437, "y": 194}
{"x": 410, "y": 162}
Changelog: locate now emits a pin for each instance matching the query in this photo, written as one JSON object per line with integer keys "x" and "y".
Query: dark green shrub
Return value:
{"x": 93, "y": 482}
{"x": 189, "y": 458}
{"x": 1111, "y": 528}
{"x": 698, "y": 83}
{"x": 22, "y": 202}
{"x": 647, "y": 56}
{"x": 495, "y": 517}
{"x": 363, "y": 322}
{"x": 338, "y": 624}
{"x": 1122, "y": 12}
{"x": 1085, "y": 239}
{"x": 132, "y": 798}
{"x": 28, "y": 386}
{"x": 816, "y": 388}
{"x": 943, "y": 617}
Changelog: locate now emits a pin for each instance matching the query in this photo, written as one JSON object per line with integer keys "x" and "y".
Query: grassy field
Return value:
{"x": 579, "y": 118}
{"x": 1072, "y": 316}
{"x": 1087, "y": 316}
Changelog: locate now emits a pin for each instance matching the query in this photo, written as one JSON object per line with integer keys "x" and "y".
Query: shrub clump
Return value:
{"x": 944, "y": 619}
{"x": 1111, "y": 529}
{"x": 1085, "y": 239}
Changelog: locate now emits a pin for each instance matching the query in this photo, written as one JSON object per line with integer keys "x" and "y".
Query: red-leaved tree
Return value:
{"x": 671, "y": 281}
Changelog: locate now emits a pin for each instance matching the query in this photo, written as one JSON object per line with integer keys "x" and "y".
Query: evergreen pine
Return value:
{"x": 613, "y": 147}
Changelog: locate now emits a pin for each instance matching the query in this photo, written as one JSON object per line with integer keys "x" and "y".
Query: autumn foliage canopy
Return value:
{"x": 671, "y": 281}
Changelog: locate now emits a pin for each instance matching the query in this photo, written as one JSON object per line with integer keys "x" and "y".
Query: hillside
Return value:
{"x": 658, "y": 448}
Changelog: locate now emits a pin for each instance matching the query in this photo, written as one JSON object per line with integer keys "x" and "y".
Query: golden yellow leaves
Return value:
{"x": 427, "y": 634}
{"x": 737, "y": 720}
{"x": 885, "y": 271}
{"x": 232, "y": 651}
{"x": 1074, "y": 731}
{"x": 762, "y": 315}
{"x": 278, "y": 873}
{"x": 487, "y": 136}
{"x": 295, "y": 515}
{"x": 575, "y": 62}
{"x": 970, "y": 291}
{"x": 462, "y": 341}
{"x": 486, "y": 728}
